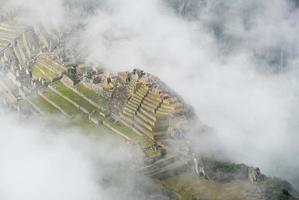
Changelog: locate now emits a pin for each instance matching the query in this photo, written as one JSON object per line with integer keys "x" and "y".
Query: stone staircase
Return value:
{"x": 132, "y": 85}
{"x": 130, "y": 110}
{"x": 140, "y": 111}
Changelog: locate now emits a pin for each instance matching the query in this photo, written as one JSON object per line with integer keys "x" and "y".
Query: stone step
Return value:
{"x": 164, "y": 111}
{"x": 142, "y": 91}
{"x": 153, "y": 98}
{"x": 139, "y": 95}
{"x": 150, "y": 115}
{"x": 127, "y": 119}
{"x": 153, "y": 94}
{"x": 146, "y": 118}
{"x": 132, "y": 86}
{"x": 132, "y": 106}
{"x": 150, "y": 109}
{"x": 129, "y": 110}
{"x": 166, "y": 106}
{"x": 129, "y": 114}
{"x": 136, "y": 98}
{"x": 148, "y": 100}
{"x": 142, "y": 123}
{"x": 158, "y": 112}
{"x": 133, "y": 103}
{"x": 143, "y": 130}
{"x": 149, "y": 104}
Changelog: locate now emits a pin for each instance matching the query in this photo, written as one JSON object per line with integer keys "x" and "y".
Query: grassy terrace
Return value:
{"x": 43, "y": 104}
{"x": 125, "y": 130}
{"x": 93, "y": 96}
{"x": 80, "y": 119}
{"x": 141, "y": 140}
{"x": 80, "y": 122}
{"x": 62, "y": 103}
{"x": 37, "y": 73}
{"x": 73, "y": 96}
{"x": 58, "y": 67}
{"x": 39, "y": 70}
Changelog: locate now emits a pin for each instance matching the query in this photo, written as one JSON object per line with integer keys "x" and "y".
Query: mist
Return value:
{"x": 235, "y": 62}
{"x": 41, "y": 159}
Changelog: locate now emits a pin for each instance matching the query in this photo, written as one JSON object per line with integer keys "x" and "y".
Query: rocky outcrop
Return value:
{"x": 255, "y": 175}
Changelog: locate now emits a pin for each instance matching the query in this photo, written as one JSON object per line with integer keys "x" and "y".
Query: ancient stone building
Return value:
{"x": 149, "y": 107}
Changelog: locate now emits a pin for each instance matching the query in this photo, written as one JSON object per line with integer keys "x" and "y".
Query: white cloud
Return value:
{"x": 235, "y": 64}
{"x": 38, "y": 162}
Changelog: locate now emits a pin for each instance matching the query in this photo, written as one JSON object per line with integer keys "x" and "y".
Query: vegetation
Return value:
{"x": 59, "y": 68}
{"x": 82, "y": 123}
{"x": 275, "y": 188}
{"x": 43, "y": 105}
{"x": 37, "y": 73}
{"x": 79, "y": 121}
{"x": 72, "y": 72}
{"x": 62, "y": 103}
{"x": 124, "y": 129}
{"x": 92, "y": 95}
{"x": 225, "y": 171}
{"x": 44, "y": 72}
{"x": 73, "y": 96}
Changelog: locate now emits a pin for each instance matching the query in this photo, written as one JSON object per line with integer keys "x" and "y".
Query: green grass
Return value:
{"x": 58, "y": 67}
{"x": 39, "y": 70}
{"x": 43, "y": 104}
{"x": 93, "y": 96}
{"x": 62, "y": 103}
{"x": 38, "y": 74}
{"x": 143, "y": 141}
{"x": 73, "y": 96}
{"x": 79, "y": 121}
{"x": 123, "y": 129}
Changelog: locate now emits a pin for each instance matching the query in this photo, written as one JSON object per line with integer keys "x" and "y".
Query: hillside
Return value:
{"x": 37, "y": 78}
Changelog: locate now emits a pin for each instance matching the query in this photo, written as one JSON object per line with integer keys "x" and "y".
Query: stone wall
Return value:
{"x": 100, "y": 91}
